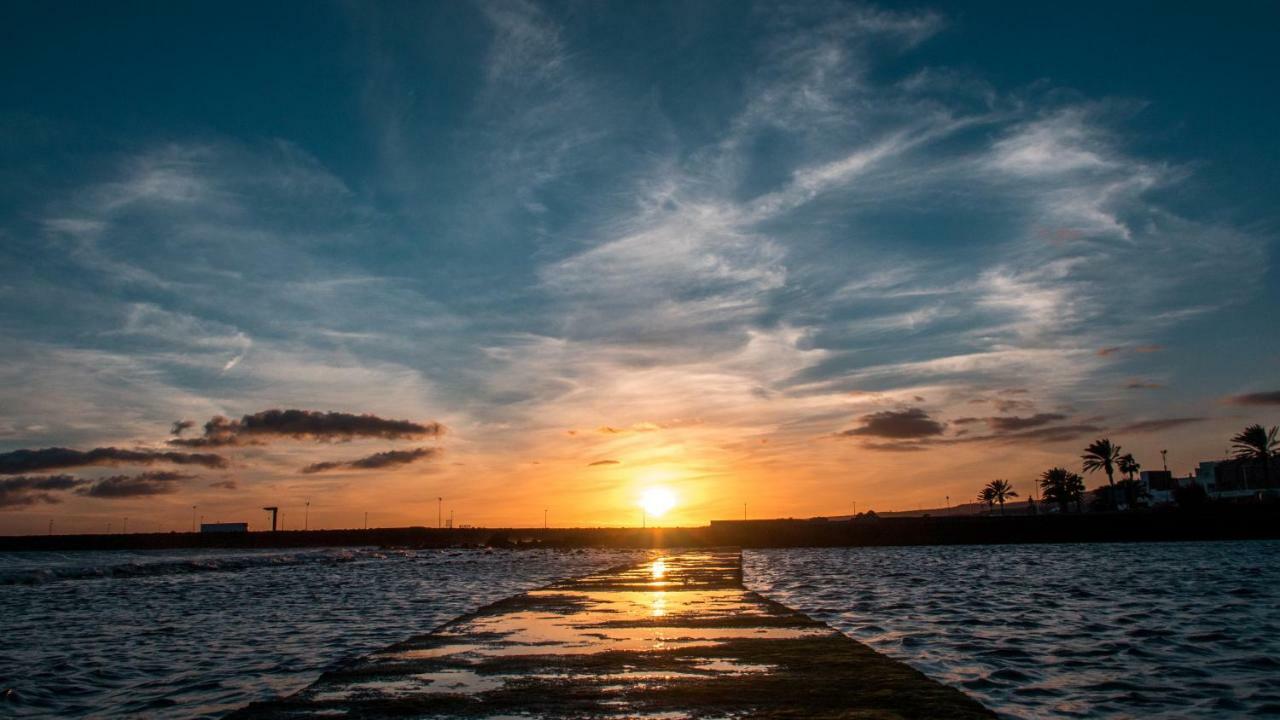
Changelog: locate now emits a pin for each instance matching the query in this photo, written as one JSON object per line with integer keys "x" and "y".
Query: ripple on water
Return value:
{"x": 198, "y": 633}
{"x": 1159, "y": 630}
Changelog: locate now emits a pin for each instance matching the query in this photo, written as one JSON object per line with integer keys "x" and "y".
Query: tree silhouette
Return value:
{"x": 1127, "y": 465}
{"x": 1255, "y": 443}
{"x": 1062, "y": 486}
{"x": 998, "y": 491}
{"x": 988, "y": 496}
{"x": 1102, "y": 454}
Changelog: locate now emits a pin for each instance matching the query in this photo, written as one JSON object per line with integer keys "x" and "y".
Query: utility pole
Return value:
{"x": 306, "y": 517}
{"x": 948, "y": 503}
{"x": 1164, "y": 458}
{"x": 451, "y": 518}
{"x": 439, "y": 512}
{"x": 544, "y": 518}
{"x": 193, "y": 519}
{"x": 744, "y": 511}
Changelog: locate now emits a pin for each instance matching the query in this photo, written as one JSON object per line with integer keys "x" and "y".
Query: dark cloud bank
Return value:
{"x": 302, "y": 425}
{"x": 27, "y": 490}
{"x": 391, "y": 458}
{"x": 1271, "y": 397}
{"x": 58, "y": 458}
{"x": 123, "y": 486}
{"x": 914, "y": 429}
{"x": 907, "y": 424}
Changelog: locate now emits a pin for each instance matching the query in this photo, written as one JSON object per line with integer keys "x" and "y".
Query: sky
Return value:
{"x": 501, "y": 259}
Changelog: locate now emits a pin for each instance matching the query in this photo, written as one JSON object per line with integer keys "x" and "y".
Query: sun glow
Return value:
{"x": 656, "y": 501}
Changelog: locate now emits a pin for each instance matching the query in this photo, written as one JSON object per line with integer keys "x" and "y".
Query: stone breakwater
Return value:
{"x": 678, "y": 636}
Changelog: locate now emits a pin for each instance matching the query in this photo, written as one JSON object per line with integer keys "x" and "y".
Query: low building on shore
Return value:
{"x": 231, "y": 527}
{"x": 1236, "y": 479}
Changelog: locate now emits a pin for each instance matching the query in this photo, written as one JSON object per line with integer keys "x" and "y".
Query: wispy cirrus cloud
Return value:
{"x": 1158, "y": 425}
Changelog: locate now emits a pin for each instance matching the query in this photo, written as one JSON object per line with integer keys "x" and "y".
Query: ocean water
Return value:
{"x": 188, "y": 634}
{"x": 1179, "y": 630}
{"x": 1168, "y": 630}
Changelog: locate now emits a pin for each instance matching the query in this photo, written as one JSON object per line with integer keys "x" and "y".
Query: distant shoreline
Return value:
{"x": 1241, "y": 522}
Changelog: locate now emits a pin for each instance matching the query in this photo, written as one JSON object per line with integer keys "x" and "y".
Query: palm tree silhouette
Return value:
{"x": 1062, "y": 486}
{"x": 999, "y": 491}
{"x": 987, "y": 496}
{"x": 1128, "y": 465}
{"x": 1102, "y": 454}
{"x": 1255, "y": 443}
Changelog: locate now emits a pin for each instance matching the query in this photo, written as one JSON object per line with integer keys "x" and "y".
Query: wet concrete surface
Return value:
{"x": 676, "y": 637}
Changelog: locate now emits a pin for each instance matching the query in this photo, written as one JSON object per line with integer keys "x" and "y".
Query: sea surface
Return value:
{"x": 1167, "y": 630}
{"x": 184, "y": 634}
{"x": 1179, "y": 630}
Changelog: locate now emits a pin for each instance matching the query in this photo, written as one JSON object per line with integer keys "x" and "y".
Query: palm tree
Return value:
{"x": 1255, "y": 443}
{"x": 1128, "y": 465}
{"x": 1102, "y": 454}
{"x": 987, "y": 496}
{"x": 1062, "y": 486}
{"x": 999, "y": 490}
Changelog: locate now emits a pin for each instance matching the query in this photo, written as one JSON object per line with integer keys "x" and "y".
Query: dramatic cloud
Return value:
{"x": 1014, "y": 424}
{"x": 390, "y": 458}
{"x": 57, "y": 458}
{"x": 1146, "y": 426}
{"x": 26, "y": 490}
{"x": 602, "y": 462}
{"x": 305, "y": 425}
{"x": 1271, "y": 397}
{"x": 181, "y": 425}
{"x": 224, "y": 484}
{"x": 124, "y": 486}
{"x": 898, "y": 424}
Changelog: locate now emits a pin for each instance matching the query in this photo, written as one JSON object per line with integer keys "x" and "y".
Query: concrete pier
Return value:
{"x": 676, "y": 637}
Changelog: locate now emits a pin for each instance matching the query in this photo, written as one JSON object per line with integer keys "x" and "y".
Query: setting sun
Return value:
{"x": 657, "y": 501}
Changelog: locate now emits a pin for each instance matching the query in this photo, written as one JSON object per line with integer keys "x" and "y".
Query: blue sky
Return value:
{"x": 789, "y": 254}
